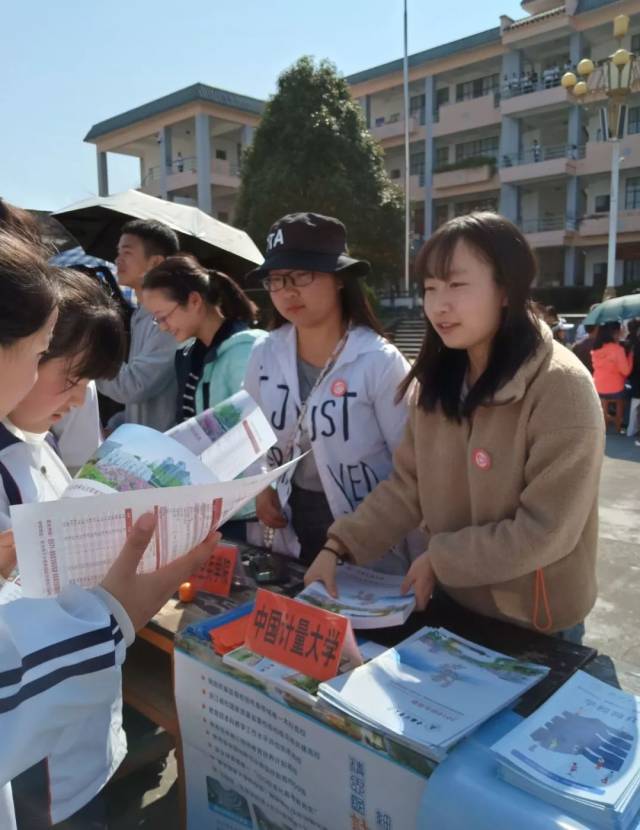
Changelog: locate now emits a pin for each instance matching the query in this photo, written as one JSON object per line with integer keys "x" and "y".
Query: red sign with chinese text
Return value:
{"x": 216, "y": 575}
{"x": 297, "y": 635}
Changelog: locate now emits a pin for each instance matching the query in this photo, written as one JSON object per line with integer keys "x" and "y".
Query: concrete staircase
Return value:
{"x": 408, "y": 336}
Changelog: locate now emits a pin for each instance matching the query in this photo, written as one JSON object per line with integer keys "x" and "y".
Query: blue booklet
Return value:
{"x": 431, "y": 690}
{"x": 579, "y": 751}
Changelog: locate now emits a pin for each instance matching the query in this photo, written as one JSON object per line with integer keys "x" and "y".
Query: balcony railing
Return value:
{"x": 495, "y": 93}
{"x": 543, "y": 152}
{"x": 547, "y": 79}
{"x": 189, "y": 165}
{"x": 183, "y": 165}
{"x": 557, "y": 222}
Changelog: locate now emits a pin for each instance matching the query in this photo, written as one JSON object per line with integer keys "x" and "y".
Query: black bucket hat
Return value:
{"x": 309, "y": 242}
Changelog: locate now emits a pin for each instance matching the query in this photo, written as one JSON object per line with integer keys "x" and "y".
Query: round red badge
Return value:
{"x": 482, "y": 459}
{"x": 339, "y": 388}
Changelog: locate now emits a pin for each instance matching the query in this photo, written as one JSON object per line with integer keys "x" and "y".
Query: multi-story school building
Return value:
{"x": 490, "y": 126}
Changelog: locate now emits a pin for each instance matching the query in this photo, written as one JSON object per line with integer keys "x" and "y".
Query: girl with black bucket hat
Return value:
{"x": 326, "y": 379}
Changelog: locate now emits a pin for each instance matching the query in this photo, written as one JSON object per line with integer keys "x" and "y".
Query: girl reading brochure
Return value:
{"x": 88, "y": 343}
{"x": 500, "y": 461}
{"x": 60, "y": 658}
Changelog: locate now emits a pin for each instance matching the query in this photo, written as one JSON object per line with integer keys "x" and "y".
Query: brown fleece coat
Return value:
{"x": 508, "y": 500}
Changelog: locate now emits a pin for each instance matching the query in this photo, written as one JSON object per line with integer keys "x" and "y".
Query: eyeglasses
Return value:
{"x": 159, "y": 320}
{"x": 298, "y": 279}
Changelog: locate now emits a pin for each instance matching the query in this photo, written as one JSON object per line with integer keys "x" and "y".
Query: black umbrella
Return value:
{"x": 97, "y": 223}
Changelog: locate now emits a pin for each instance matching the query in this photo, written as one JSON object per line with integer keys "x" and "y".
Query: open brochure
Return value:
{"x": 138, "y": 470}
{"x": 370, "y": 599}
{"x": 431, "y": 690}
{"x": 287, "y": 681}
{"x": 579, "y": 751}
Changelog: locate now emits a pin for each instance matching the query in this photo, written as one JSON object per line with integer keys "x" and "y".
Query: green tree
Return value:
{"x": 313, "y": 152}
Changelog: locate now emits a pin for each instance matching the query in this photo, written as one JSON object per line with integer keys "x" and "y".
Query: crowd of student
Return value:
{"x": 473, "y": 472}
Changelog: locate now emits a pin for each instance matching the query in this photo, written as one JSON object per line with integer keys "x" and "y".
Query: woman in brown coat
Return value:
{"x": 500, "y": 461}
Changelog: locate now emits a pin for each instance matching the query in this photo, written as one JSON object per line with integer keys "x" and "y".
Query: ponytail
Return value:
{"x": 233, "y": 302}
{"x": 178, "y": 276}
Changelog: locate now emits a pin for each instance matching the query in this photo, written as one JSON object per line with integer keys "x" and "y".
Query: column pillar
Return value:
{"x": 510, "y": 139}
{"x": 509, "y": 150}
{"x": 103, "y": 174}
{"x": 570, "y": 265}
{"x": 247, "y": 135}
{"x": 203, "y": 162}
{"x": 429, "y": 155}
{"x": 166, "y": 160}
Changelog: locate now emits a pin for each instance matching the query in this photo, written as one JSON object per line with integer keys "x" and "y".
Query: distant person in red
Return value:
{"x": 611, "y": 367}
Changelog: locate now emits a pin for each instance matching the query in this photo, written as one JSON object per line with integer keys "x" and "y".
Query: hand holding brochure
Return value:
{"x": 370, "y": 599}
{"x": 134, "y": 471}
{"x": 431, "y": 690}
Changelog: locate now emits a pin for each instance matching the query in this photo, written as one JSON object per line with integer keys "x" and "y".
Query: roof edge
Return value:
{"x": 187, "y": 95}
{"x": 435, "y": 52}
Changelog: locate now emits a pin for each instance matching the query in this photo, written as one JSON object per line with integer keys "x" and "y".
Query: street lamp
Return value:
{"x": 614, "y": 75}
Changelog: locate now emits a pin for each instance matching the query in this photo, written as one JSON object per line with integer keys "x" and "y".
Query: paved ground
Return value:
{"x": 149, "y": 799}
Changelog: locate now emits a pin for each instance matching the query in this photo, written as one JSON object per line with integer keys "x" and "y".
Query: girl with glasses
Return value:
{"x": 210, "y": 310}
{"x": 326, "y": 379}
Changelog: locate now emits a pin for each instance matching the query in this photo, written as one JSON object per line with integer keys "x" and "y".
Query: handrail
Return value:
{"x": 543, "y": 152}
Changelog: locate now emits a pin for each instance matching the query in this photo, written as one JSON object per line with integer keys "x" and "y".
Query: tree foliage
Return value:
{"x": 312, "y": 152}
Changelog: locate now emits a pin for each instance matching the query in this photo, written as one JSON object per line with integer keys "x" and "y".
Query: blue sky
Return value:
{"x": 77, "y": 63}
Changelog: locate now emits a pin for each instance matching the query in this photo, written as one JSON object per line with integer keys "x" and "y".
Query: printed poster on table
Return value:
{"x": 251, "y": 762}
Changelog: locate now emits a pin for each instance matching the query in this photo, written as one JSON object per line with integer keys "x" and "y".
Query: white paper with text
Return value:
{"x": 77, "y": 539}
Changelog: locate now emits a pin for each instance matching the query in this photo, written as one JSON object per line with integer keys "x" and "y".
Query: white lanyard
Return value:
{"x": 328, "y": 366}
{"x": 269, "y": 532}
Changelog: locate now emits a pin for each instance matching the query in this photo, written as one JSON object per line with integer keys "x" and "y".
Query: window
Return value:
{"x": 442, "y": 156}
{"x": 416, "y": 163}
{"x": 480, "y": 147}
{"x": 380, "y": 121}
{"x": 416, "y": 107}
{"x": 418, "y": 220}
{"x": 442, "y": 215}
{"x": 632, "y": 194}
{"x": 221, "y": 154}
{"x": 478, "y": 87}
{"x": 634, "y": 120}
{"x": 599, "y": 275}
{"x": 602, "y": 203}
{"x": 631, "y": 270}
{"x": 635, "y": 43}
{"x": 395, "y": 173}
{"x": 442, "y": 96}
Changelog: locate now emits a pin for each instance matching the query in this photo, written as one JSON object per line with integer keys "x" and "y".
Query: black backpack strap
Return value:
{"x": 14, "y": 496}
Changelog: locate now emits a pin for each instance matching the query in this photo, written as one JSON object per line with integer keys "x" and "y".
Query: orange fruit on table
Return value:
{"x": 187, "y": 592}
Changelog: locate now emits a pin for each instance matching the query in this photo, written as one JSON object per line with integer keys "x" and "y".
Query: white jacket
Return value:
{"x": 34, "y": 467}
{"x": 60, "y": 694}
{"x": 352, "y": 419}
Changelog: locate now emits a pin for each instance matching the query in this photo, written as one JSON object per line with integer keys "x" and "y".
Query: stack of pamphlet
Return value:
{"x": 431, "y": 690}
{"x": 580, "y": 752}
{"x": 287, "y": 680}
{"x": 368, "y": 598}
